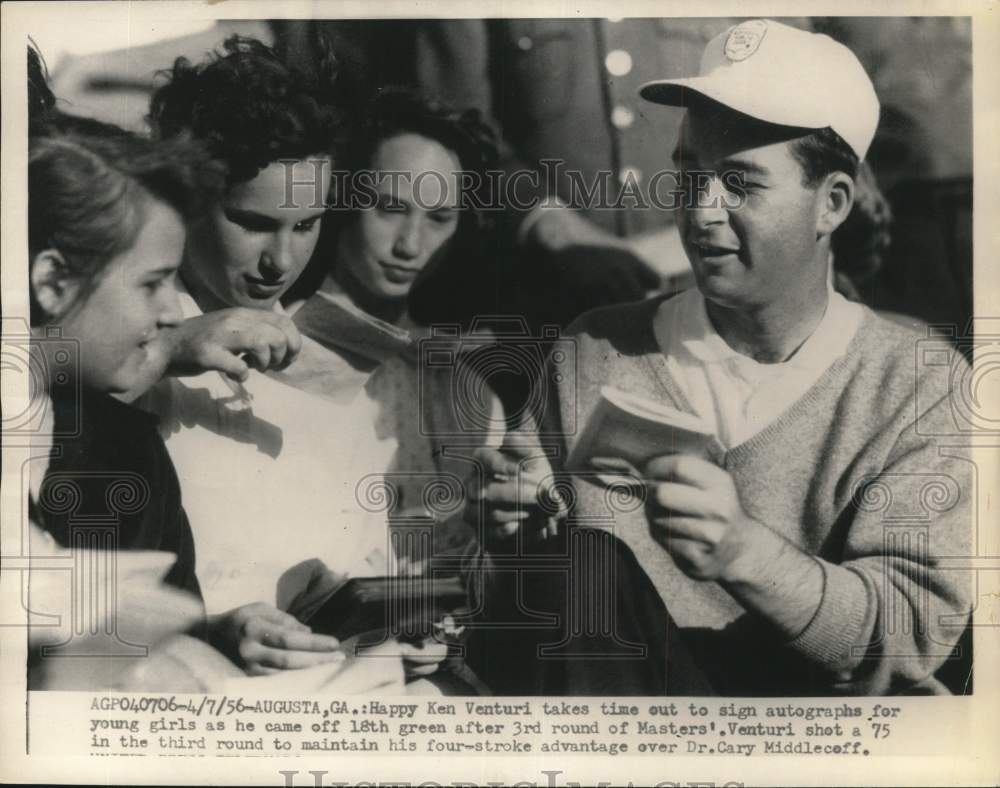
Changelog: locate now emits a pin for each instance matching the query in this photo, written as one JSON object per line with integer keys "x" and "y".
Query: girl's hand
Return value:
{"x": 516, "y": 492}
{"x": 423, "y": 658}
{"x": 262, "y": 639}
{"x": 232, "y": 341}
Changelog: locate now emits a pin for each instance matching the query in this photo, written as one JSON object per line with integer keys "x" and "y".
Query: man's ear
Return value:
{"x": 837, "y": 199}
{"x": 54, "y": 286}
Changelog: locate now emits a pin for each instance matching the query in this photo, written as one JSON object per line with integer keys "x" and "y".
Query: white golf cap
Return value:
{"x": 783, "y": 75}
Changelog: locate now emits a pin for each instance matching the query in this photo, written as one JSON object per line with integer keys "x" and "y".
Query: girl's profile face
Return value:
{"x": 388, "y": 246}
{"x": 128, "y": 303}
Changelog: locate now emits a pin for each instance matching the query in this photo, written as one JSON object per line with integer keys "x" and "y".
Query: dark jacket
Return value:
{"x": 111, "y": 483}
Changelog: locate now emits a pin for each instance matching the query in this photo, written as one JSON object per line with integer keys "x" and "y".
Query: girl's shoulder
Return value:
{"x": 102, "y": 430}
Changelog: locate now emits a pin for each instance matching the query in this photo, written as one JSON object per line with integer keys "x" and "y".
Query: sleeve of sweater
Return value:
{"x": 891, "y": 613}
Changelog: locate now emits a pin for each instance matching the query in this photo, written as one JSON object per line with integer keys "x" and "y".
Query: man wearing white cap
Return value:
{"x": 804, "y": 560}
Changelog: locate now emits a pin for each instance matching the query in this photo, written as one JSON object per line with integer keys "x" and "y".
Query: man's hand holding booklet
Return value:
{"x": 625, "y": 432}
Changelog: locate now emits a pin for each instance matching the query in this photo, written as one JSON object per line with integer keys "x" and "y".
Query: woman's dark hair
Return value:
{"x": 859, "y": 243}
{"x": 89, "y": 183}
{"x": 248, "y": 107}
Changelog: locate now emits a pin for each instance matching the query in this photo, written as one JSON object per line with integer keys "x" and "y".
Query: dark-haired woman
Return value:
{"x": 402, "y": 232}
{"x": 396, "y": 256}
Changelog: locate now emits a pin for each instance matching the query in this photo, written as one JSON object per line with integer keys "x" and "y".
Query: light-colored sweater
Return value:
{"x": 852, "y": 473}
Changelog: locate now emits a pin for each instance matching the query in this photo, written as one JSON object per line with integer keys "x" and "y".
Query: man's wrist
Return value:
{"x": 758, "y": 548}
{"x": 775, "y": 579}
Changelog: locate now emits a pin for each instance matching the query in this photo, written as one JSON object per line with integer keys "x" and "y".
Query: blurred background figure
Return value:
{"x": 922, "y": 158}
{"x": 114, "y": 83}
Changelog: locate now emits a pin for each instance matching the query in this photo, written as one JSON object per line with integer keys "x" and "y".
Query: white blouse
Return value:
{"x": 273, "y": 477}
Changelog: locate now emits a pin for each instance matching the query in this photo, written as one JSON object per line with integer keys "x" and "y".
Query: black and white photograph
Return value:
{"x": 522, "y": 381}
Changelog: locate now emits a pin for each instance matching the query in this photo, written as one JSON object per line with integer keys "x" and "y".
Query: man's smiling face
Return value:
{"x": 757, "y": 248}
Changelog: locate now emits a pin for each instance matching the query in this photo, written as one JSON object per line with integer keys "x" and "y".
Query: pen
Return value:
{"x": 239, "y": 391}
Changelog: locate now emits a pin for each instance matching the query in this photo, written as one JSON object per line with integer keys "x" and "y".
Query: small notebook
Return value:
{"x": 413, "y": 605}
{"x": 335, "y": 322}
{"x": 625, "y": 431}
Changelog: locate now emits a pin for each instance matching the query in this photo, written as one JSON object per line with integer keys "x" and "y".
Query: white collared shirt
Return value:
{"x": 734, "y": 394}
{"x": 272, "y": 476}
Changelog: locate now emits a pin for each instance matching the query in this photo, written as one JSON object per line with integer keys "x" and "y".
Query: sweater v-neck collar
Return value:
{"x": 657, "y": 363}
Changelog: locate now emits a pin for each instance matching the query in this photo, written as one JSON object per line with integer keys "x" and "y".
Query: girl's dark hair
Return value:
{"x": 44, "y": 117}
{"x": 395, "y": 110}
{"x": 248, "y": 107}
{"x": 88, "y": 185}
{"x": 41, "y": 101}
